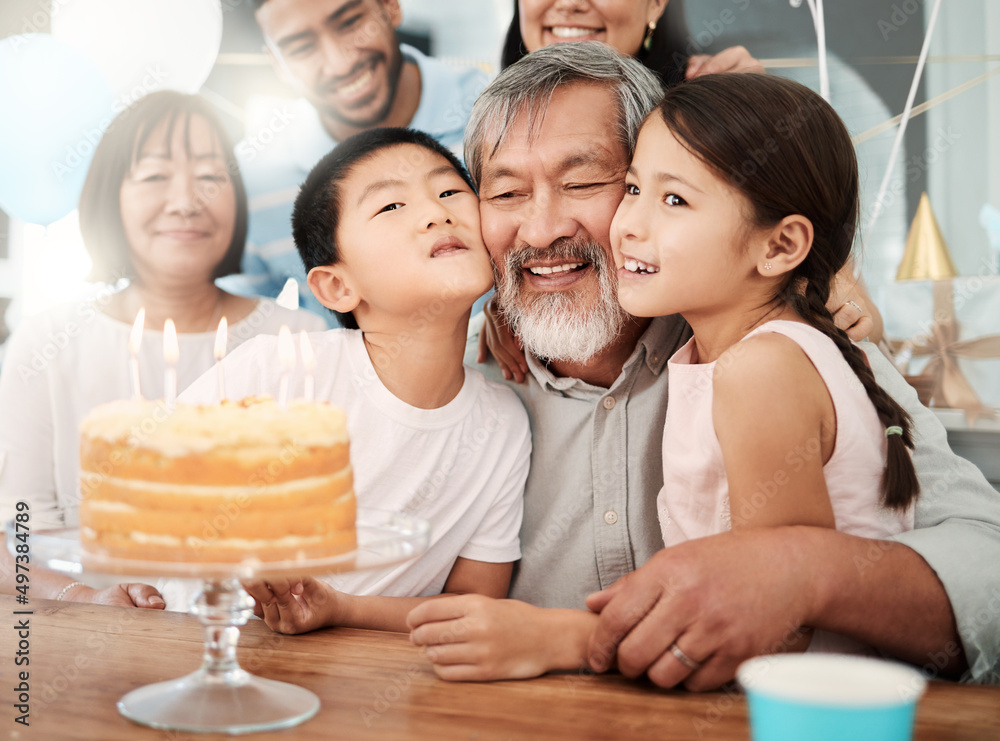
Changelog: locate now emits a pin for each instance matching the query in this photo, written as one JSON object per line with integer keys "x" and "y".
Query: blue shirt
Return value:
{"x": 277, "y": 155}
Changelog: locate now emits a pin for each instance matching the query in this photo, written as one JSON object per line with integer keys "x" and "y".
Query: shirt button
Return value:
{"x": 611, "y": 517}
{"x": 609, "y": 402}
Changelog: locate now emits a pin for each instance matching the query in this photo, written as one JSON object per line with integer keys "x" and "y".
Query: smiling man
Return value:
{"x": 344, "y": 58}
{"x": 553, "y": 203}
{"x": 548, "y": 144}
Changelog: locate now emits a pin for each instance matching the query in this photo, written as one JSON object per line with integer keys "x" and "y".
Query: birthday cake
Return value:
{"x": 216, "y": 484}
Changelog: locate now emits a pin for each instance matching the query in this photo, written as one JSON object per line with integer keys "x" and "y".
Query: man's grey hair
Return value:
{"x": 527, "y": 87}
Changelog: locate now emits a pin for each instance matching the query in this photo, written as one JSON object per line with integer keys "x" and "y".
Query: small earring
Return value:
{"x": 647, "y": 43}
{"x": 767, "y": 266}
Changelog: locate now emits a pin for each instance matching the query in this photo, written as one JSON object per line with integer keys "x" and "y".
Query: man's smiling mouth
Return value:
{"x": 549, "y": 269}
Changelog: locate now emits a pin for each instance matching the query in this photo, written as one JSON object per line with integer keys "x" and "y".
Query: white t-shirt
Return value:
{"x": 462, "y": 467}
{"x": 61, "y": 364}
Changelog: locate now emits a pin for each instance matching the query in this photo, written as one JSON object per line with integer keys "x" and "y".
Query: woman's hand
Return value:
{"x": 294, "y": 606}
{"x": 733, "y": 59}
{"x": 470, "y": 637}
{"x": 496, "y": 339}
{"x": 852, "y": 308}
{"x": 120, "y": 595}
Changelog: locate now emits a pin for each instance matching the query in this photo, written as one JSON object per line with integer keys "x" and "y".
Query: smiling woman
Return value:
{"x": 633, "y": 27}
{"x": 623, "y": 24}
{"x": 160, "y": 199}
{"x": 180, "y": 196}
{"x": 163, "y": 207}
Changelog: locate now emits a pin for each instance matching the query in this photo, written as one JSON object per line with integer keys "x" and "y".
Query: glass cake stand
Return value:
{"x": 221, "y": 697}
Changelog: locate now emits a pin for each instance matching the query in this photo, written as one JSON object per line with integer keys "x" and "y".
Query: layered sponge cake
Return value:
{"x": 216, "y": 484}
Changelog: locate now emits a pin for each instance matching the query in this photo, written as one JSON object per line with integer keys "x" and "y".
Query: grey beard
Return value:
{"x": 553, "y": 326}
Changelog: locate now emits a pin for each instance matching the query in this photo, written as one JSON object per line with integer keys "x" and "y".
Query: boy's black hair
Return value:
{"x": 317, "y": 206}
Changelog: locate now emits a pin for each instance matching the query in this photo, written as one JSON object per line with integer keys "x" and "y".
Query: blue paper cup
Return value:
{"x": 830, "y": 697}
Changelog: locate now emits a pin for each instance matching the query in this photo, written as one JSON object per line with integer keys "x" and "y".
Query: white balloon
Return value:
{"x": 143, "y": 45}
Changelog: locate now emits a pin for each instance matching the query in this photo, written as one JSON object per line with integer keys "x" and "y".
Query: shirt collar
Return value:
{"x": 424, "y": 118}
{"x": 662, "y": 338}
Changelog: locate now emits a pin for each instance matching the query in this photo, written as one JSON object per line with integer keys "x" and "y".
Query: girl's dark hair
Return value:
{"x": 318, "y": 205}
{"x": 786, "y": 150}
{"x": 666, "y": 56}
{"x": 100, "y": 207}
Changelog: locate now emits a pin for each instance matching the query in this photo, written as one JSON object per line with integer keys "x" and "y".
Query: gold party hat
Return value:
{"x": 926, "y": 256}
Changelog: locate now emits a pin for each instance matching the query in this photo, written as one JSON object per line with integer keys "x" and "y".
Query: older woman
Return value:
{"x": 633, "y": 27}
{"x": 164, "y": 207}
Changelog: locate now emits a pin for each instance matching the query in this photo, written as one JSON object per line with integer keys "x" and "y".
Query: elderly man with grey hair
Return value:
{"x": 548, "y": 145}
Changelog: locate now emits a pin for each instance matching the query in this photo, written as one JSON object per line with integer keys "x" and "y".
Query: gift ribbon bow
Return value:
{"x": 950, "y": 385}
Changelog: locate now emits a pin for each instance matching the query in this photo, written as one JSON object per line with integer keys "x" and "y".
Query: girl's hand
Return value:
{"x": 296, "y": 606}
{"x": 470, "y": 637}
{"x": 496, "y": 339}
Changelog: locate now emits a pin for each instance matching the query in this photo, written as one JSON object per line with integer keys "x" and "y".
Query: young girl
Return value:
{"x": 741, "y": 205}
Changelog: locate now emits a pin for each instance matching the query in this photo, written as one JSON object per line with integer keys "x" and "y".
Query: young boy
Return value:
{"x": 387, "y": 225}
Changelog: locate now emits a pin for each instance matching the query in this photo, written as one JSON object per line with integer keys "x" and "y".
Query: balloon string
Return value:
{"x": 819, "y": 23}
{"x": 903, "y": 121}
{"x": 790, "y": 62}
{"x": 924, "y": 107}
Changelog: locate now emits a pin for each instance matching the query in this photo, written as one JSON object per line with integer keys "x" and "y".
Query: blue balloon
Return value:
{"x": 56, "y": 104}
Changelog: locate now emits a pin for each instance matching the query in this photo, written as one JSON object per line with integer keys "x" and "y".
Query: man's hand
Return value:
{"x": 120, "y": 595}
{"x": 296, "y": 606}
{"x": 719, "y": 600}
{"x": 475, "y": 638}
{"x": 733, "y": 59}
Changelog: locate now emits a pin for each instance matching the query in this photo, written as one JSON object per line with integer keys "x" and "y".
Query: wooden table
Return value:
{"x": 374, "y": 685}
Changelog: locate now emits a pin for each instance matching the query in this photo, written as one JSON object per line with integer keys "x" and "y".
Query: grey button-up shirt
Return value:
{"x": 596, "y": 465}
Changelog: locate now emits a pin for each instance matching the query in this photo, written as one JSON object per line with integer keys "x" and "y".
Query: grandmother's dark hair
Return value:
{"x": 100, "y": 207}
{"x": 319, "y": 203}
{"x": 786, "y": 150}
{"x": 665, "y": 57}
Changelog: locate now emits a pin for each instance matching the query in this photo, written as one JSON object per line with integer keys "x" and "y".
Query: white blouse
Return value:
{"x": 61, "y": 364}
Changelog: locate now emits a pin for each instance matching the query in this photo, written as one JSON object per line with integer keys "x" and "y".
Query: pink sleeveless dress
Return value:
{"x": 694, "y": 500}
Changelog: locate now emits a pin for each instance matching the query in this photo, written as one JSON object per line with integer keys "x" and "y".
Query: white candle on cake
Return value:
{"x": 134, "y": 343}
{"x": 221, "y": 339}
{"x": 286, "y": 358}
{"x": 308, "y": 362}
{"x": 171, "y": 353}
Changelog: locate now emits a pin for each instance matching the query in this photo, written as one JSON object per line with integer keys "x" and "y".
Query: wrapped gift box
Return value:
{"x": 953, "y": 328}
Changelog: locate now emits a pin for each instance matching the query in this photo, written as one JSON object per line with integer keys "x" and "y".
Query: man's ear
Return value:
{"x": 787, "y": 245}
{"x": 332, "y": 287}
{"x": 393, "y": 12}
